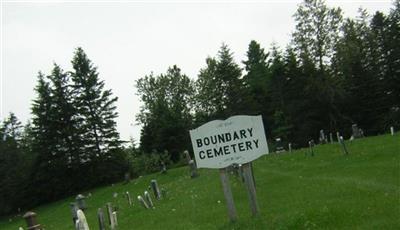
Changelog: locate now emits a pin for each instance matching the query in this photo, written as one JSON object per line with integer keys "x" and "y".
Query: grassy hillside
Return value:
{"x": 329, "y": 190}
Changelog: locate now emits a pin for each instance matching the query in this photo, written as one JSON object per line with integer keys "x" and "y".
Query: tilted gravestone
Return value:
{"x": 110, "y": 215}
{"x": 115, "y": 220}
{"x": 143, "y": 202}
{"x": 128, "y": 196}
{"x": 148, "y": 199}
{"x": 81, "y": 222}
{"x": 100, "y": 217}
{"x": 155, "y": 188}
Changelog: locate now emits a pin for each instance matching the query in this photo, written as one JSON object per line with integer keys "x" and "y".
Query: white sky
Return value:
{"x": 127, "y": 40}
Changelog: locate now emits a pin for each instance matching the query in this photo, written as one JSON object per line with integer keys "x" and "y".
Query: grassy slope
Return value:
{"x": 329, "y": 190}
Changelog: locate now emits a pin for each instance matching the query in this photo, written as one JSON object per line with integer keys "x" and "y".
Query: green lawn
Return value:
{"x": 329, "y": 191}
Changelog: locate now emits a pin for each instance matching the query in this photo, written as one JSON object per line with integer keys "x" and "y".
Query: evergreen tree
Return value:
{"x": 166, "y": 112}
{"x": 96, "y": 110}
{"x": 256, "y": 78}
{"x": 220, "y": 88}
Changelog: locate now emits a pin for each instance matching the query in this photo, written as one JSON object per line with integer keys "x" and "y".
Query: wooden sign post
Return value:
{"x": 236, "y": 140}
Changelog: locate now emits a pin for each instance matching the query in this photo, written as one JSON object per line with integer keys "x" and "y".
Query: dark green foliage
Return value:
{"x": 15, "y": 164}
{"x": 166, "y": 112}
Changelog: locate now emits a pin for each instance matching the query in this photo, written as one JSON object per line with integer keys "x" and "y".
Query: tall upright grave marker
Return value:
{"x": 236, "y": 140}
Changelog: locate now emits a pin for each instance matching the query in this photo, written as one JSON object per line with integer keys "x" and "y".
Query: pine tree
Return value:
{"x": 166, "y": 112}
{"x": 96, "y": 110}
{"x": 255, "y": 81}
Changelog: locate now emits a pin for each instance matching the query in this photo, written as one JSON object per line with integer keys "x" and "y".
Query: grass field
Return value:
{"x": 327, "y": 191}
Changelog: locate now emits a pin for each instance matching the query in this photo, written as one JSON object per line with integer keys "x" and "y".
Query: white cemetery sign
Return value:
{"x": 220, "y": 143}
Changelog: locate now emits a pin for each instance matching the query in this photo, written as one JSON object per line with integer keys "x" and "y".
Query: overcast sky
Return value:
{"x": 128, "y": 40}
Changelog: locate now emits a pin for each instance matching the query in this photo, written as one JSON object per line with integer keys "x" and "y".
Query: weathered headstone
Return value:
{"x": 163, "y": 193}
{"x": 31, "y": 222}
{"x": 322, "y": 137}
{"x": 392, "y": 130}
{"x": 344, "y": 149}
{"x": 143, "y": 202}
{"x": 331, "y": 138}
{"x": 110, "y": 215}
{"x": 155, "y": 188}
{"x": 193, "y": 169}
{"x": 148, "y": 199}
{"x": 127, "y": 177}
{"x": 114, "y": 214}
{"x": 74, "y": 208}
{"x": 163, "y": 168}
{"x": 128, "y": 197}
{"x": 290, "y": 147}
{"x": 356, "y": 131}
{"x": 82, "y": 222}
{"x": 311, "y": 145}
{"x": 187, "y": 156}
{"x": 100, "y": 217}
{"x": 338, "y": 137}
{"x": 80, "y": 201}
{"x": 279, "y": 146}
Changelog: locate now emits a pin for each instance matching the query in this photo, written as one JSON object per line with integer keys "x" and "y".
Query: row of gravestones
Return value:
{"x": 323, "y": 139}
{"x": 78, "y": 208}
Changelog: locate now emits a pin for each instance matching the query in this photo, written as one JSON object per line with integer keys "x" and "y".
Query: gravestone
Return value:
{"x": 115, "y": 220}
{"x": 143, "y": 202}
{"x": 128, "y": 196}
{"x": 80, "y": 201}
{"x": 344, "y": 149}
{"x": 356, "y": 131}
{"x": 331, "y": 138}
{"x": 392, "y": 130}
{"x": 110, "y": 215}
{"x": 338, "y": 137}
{"x": 163, "y": 193}
{"x": 187, "y": 156}
{"x": 311, "y": 145}
{"x": 81, "y": 222}
{"x": 127, "y": 177}
{"x": 148, "y": 199}
{"x": 322, "y": 137}
{"x": 100, "y": 217}
{"x": 31, "y": 222}
{"x": 279, "y": 146}
{"x": 193, "y": 169}
{"x": 155, "y": 188}
{"x": 290, "y": 147}
{"x": 163, "y": 168}
{"x": 74, "y": 208}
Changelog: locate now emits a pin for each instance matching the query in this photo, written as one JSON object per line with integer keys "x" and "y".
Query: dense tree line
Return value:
{"x": 70, "y": 144}
{"x": 335, "y": 72}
